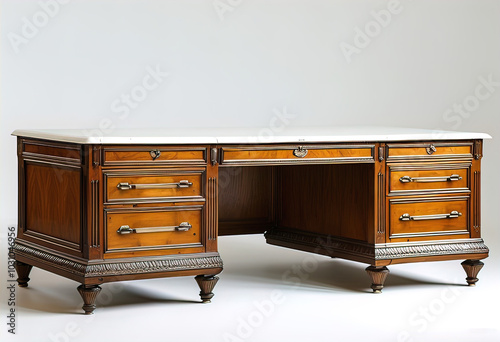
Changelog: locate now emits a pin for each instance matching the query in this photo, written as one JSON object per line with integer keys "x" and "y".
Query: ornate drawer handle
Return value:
{"x": 407, "y": 217}
{"x": 183, "y": 227}
{"x": 300, "y": 152}
{"x": 408, "y": 179}
{"x": 180, "y": 184}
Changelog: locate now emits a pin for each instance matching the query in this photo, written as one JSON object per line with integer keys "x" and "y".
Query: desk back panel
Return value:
{"x": 316, "y": 198}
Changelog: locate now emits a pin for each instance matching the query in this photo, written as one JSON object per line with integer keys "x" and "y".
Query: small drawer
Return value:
{"x": 429, "y": 150}
{"x": 158, "y": 186}
{"x": 415, "y": 179}
{"x": 154, "y": 155}
{"x": 426, "y": 217}
{"x": 296, "y": 154}
{"x": 143, "y": 231}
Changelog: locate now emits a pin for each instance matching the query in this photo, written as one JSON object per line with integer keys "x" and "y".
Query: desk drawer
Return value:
{"x": 142, "y": 231}
{"x": 429, "y": 150}
{"x": 413, "y": 179}
{"x": 421, "y": 217}
{"x": 154, "y": 155}
{"x": 123, "y": 186}
{"x": 296, "y": 154}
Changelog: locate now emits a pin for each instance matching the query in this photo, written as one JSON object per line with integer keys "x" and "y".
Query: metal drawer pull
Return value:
{"x": 183, "y": 227}
{"x": 408, "y": 179}
{"x": 407, "y": 217}
{"x": 181, "y": 184}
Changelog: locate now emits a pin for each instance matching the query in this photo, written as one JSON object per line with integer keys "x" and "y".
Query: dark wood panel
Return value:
{"x": 333, "y": 200}
{"x": 245, "y": 199}
{"x": 53, "y": 201}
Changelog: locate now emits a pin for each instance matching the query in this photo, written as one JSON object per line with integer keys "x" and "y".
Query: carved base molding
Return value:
{"x": 110, "y": 268}
{"x": 433, "y": 248}
{"x": 332, "y": 246}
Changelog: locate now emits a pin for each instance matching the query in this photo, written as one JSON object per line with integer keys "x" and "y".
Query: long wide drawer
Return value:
{"x": 142, "y": 232}
{"x": 296, "y": 154}
{"x": 424, "y": 178}
{"x": 153, "y": 186}
{"x": 426, "y": 217}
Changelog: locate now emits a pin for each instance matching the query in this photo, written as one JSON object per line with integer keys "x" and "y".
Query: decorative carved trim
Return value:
{"x": 95, "y": 213}
{"x": 477, "y": 202}
{"x": 212, "y": 211}
{"x": 430, "y": 249}
{"x": 381, "y": 204}
{"x": 168, "y": 263}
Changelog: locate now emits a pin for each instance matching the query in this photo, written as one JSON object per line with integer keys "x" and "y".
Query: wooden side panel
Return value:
{"x": 245, "y": 199}
{"x": 53, "y": 204}
{"x": 332, "y": 200}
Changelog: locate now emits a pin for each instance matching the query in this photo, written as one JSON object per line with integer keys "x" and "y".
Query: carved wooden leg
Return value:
{"x": 23, "y": 271}
{"x": 89, "y": 294}
{"x": 206, "y": 284}
{"x": 472, "y": 268}
{"x": 378, "y": 274}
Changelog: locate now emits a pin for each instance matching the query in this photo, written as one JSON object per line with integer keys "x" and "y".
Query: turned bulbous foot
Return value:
{"x": 377, "y": 274}
{"x": 206, "y": 284}
{"x": 472, "y": 268}
{"x": 23, "y": 270}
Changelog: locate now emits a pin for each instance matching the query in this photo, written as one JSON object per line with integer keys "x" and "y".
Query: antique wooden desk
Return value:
{"x": 151, "y": 203}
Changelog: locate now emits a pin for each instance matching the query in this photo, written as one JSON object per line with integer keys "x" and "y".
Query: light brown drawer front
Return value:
{"x": 414, "y": 218}
{"x": 122, "y": 187}
{"x": 143, "y": 231}
{"x": 421, "y": 180}
{"x": 292, "y": 154}
{"x": 154, "y": 156}
{"x": 429, "y": 150}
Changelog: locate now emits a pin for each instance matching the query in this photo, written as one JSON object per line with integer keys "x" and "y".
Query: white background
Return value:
{"x": 239, "y": 69}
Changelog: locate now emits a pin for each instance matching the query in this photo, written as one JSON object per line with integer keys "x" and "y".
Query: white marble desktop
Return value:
{"x": 247, "y": 135}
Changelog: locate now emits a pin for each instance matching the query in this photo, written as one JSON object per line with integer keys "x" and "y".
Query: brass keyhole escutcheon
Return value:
{"x": 431, "y": 149}
{"x": 300, "y": 152}
{"x": 155, "y": 154}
